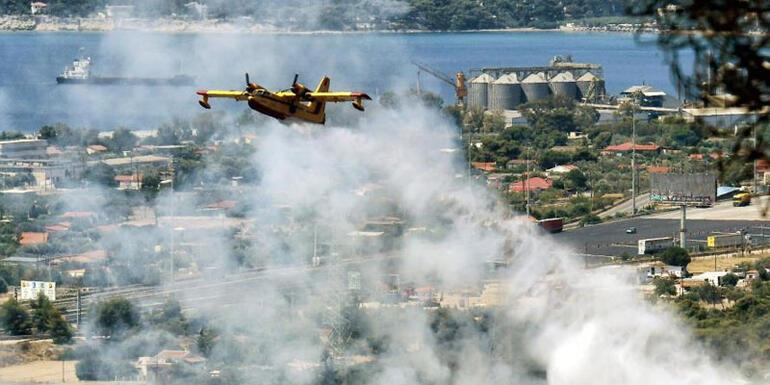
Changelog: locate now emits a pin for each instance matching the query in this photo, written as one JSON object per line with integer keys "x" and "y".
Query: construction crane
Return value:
{"x": 458, "y": 83}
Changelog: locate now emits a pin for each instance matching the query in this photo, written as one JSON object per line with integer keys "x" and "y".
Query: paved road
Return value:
{"x": 721, "y": 211}
{"x": 610, "y": 238}
{"x": 625, "y": 207}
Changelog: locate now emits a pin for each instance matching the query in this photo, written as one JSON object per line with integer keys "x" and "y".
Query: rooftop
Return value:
{"x": 531, "y": 184}
{"x": 32, "y": 238}
{"x": 645, "y": 90}
{"x": 116, "y": 162}
{"x": 562, "y": 169}
{"x": 484, "y": 166}
{"x": 629, "y": 147}
{"x": 658, "y": 169}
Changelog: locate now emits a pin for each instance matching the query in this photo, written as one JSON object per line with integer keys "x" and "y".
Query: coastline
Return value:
{"x": 11, "y": 24}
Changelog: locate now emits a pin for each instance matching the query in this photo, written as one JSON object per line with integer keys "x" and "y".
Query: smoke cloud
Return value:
{"x": 321, "y": 188}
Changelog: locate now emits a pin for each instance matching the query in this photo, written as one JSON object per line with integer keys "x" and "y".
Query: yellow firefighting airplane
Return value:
{"x": 297, "y": 102}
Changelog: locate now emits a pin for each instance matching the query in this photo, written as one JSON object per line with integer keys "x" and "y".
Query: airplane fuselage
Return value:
{"x": 298, "y": 102}
{"x": 282, "y": 107}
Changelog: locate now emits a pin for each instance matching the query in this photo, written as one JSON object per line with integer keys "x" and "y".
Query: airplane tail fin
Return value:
{"x": 323, "y": 86}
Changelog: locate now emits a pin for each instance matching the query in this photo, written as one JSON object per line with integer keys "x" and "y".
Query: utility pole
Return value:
{"x": 633, "y": 158}
{"x": 77, "y": 305}
{"x": 682, "y": 229}
{"x": 419, "y": 91}
{"x": 526, "y": 182}
{"x": 754, "y": 176}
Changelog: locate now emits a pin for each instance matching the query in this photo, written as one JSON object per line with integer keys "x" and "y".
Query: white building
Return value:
{"x": 24, "y": 149}
{"x": 198, "y": 10}
{"x": 561, "y": 169}
{"x": 37, "y": 7}
{"x": 119, "y": 11}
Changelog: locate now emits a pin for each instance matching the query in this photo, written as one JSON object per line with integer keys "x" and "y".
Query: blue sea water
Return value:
{"x": 30, "y": 62}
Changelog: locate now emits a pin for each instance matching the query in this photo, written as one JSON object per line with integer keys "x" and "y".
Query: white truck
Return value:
{"x": 652, "y": 245}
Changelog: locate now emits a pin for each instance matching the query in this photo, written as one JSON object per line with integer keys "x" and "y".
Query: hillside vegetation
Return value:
{"x": 433, "y": 15}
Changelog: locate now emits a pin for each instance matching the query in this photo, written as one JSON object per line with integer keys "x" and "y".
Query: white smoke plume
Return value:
{"x": 557, "y": 322}
{"x": 578, "y": 326}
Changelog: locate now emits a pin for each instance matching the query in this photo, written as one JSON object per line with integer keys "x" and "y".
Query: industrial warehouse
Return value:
{"x": 501, "y": 89}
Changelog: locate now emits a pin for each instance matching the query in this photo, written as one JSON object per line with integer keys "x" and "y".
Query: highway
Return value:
{"x": 625, "y": 207}
{"x": 723, "y": 210}
{"x": 610, "y": 239}
{"x": 215, "y": 292}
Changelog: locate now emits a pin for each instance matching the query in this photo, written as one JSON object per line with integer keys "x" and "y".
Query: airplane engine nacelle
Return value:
{"x": 358, "y": 104}
{"x": 253, "y": 104}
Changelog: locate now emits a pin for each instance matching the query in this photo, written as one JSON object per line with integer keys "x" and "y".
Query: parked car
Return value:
{"x": 631, "y": 230}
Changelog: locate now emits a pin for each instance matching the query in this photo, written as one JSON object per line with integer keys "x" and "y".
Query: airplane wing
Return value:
{"x": 237, "y": 95}
{"x": 206, "y": 94}
{"x": 337, "y": 96}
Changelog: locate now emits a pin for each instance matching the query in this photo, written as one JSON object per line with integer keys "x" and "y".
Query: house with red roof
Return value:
{"x": 624, "y": 148}
{"x": 129, "y": 182}
{"x": 29, "y": 238}
{"x": 531, "y": 184}
{"x": 658, "y": 169}
{"x": 484, "y": 166}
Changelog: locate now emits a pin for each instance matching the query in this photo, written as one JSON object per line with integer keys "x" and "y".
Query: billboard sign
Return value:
{"x": 684, "y": 189}
{"x": 31, "y": 289}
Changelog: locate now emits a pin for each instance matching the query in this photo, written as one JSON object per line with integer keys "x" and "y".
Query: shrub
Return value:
{"x": 675, "y": 256}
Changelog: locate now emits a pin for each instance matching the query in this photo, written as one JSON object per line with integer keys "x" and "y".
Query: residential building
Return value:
{"x": 157, "y": 368}
{"x": 137, "y": 163}
{"x": 95, "y": 149}
{"x": 129, "y": 182}
{"x": 37, "y": 7}
{"x": 484, "y": 166}
{"x": 624, "y": 148}
{"x": 29, "y": 238}
{"x": 23, "y": 149}
{"x": 531, "y": 184}
{"x": 710, "y": 277}
{"x": 561, "y": 169}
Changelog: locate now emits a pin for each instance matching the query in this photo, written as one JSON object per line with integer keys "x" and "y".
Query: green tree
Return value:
{"x": 675, "y": 256}
{"x": 60, "y": 330}
{"x": 577, "y": 179}
{"x": 101, "y": 174}
{"x": 43, "y": 314}
{"x": 61, "y": 134}
{"x": 171, "y": 318}
{"x": 122, "y": 140}
{"x": 151, "y": 181}
{"x": 709, "y": 294}
{"x": 730, "y": 279}
{"x": 664, "y": 286}
{"x": 493, "y": 122}
{"x": 116, "y": 317}
{"x": 3, "y": 285}
{"x": 14, "y": 318}
{"x": 205, "y": 341}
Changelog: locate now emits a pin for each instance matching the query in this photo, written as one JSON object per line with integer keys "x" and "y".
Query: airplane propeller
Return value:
{"x": 249, "y": 86}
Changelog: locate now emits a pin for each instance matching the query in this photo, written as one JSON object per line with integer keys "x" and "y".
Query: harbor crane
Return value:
{"x": 458, "y": 83}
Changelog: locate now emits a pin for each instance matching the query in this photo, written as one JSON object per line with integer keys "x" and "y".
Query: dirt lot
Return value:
{"x": 700, "y": 265}
{"x": 39, "y": 371}
{"x": 47, "y": 372}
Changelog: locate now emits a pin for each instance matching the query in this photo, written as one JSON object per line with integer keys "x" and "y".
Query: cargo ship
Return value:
{"x": 80, "y": 73}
